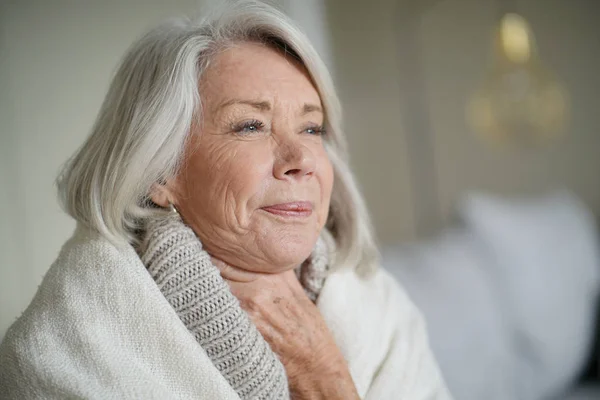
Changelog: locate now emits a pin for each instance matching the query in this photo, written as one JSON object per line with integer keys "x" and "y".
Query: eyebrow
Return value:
{"x": 259, "y": 105}
{"x": 308, "y": 108}
{"x": 266, "y": 106}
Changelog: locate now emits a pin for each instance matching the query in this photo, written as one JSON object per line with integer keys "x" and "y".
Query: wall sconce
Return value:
{"x": 520, "y": 101}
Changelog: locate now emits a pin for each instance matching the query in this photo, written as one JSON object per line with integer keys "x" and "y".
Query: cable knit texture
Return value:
{"x": 193, "y": 286}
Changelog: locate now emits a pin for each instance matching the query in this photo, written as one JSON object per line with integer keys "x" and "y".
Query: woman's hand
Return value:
{"x": 295, "y": 330}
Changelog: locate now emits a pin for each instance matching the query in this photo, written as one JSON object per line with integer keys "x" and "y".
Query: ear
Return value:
{"x": 161, "y": 195}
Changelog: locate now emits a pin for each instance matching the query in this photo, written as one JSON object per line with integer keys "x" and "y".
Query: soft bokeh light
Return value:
{"x": 520, "y": 100}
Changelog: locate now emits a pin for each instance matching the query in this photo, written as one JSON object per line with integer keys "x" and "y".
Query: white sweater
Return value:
{"x": 99, "y": 327}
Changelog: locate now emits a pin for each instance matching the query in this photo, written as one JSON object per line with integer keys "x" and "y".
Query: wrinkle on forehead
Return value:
{"x": 222, "y": 78}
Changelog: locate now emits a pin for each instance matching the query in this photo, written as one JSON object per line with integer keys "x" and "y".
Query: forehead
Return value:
{"x": 253, "y": 70}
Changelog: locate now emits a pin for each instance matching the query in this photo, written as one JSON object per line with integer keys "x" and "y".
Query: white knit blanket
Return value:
{"x": 99, "y": 328}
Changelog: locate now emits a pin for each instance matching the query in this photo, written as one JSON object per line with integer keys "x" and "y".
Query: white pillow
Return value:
{"x": 446, "y": 279}
{"x": 544, "y": 258}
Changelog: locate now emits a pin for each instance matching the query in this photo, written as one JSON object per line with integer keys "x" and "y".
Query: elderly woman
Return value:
{"x": 222, "y": 248}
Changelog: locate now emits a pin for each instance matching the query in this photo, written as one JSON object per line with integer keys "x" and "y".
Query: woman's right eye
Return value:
{"x": 249, "y": 127}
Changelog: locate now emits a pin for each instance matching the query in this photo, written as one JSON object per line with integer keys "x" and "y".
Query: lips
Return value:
{"x": 294, "y": 209}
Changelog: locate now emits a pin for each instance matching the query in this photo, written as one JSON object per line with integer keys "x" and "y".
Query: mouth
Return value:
{"x": 296, "y": 209}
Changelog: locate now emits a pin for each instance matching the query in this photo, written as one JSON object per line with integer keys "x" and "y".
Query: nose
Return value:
{"x": 294, "y": 161}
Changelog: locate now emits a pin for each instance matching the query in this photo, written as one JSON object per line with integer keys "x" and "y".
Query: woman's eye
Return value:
{"x": 249, "y": 127}
{"x": 316, "y": 130}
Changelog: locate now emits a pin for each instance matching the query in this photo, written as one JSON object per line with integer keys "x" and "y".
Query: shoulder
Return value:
{"x": 377, "y": 295}
{"x": 366, "y": 315}
{"x": 68, "y": 312}
{"x": 84, "y": 272}
{"x": 96, "y": 328}
{"x": 90, "y": 275}
{"x": 382, "y": 336}
{"x": 88, "y": 251}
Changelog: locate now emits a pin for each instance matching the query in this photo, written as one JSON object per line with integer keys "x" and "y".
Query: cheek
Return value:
{"x": 326, "y": 177}
{"x": 246, "y": 180}
{"x": 224, "y": 177}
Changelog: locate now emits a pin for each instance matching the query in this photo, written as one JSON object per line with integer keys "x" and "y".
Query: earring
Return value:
{"x": 173, "y": 209}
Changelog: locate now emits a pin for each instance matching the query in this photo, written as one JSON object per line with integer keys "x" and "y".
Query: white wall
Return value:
{"x": 367, "y": 79}
{"x": 10, "y": 206}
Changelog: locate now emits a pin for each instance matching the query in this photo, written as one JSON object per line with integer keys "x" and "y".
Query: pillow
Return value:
{"x": 445, "y": 277}
{"x": 544, "y": 258}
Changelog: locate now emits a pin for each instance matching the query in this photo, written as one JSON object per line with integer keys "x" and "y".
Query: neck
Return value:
{"x": 236, "y": 274}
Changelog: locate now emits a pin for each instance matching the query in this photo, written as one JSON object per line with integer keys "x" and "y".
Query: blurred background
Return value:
{"x": 474, "y": 129}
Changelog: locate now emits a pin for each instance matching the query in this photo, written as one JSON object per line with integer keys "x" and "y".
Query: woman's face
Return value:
{"x": 256, "y": 181}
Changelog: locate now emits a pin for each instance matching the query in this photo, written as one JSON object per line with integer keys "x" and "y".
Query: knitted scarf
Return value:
{"x": 193, "y": 286}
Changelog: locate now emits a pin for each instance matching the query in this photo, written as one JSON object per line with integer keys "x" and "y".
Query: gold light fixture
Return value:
{"x": 520, "y": 101}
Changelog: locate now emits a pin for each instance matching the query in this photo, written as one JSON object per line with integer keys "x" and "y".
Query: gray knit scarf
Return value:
{"x": 193, "y": 286}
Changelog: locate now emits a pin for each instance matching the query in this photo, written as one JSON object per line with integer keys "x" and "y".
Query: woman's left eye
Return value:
{"x": 316, "y": 130}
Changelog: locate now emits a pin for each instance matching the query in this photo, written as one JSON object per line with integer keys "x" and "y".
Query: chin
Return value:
{"x": 287, "y": 251}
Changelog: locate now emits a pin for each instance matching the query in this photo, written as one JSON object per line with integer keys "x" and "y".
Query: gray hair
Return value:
{"x": 140, "y": 133}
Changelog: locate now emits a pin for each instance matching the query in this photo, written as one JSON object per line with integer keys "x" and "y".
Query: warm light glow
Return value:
{"x": 519, "y": 100}
{"x": 514, "y": 34}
